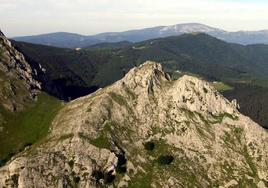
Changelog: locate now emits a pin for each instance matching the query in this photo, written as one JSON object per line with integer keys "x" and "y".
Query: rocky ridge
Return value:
{"x": 17, "y": 84}
{"x": 146, "y": 130}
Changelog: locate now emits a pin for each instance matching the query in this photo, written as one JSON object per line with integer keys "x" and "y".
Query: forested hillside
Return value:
{"x": 72, "y": 73}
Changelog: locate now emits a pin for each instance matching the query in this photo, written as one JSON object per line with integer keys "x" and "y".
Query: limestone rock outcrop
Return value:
{"x": 17, "y": 85}
{"x": 146, "y": 130}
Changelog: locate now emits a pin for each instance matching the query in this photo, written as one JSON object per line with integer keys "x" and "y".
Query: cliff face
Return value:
{"x": 146, "y": 131}
{"x": 17, "y": 85}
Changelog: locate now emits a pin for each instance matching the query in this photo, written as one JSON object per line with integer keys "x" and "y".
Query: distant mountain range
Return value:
{"x": 71, "y": 40}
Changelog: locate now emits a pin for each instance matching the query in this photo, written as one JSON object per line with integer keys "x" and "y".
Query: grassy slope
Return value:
{"x": 27, "y": 127}
{"x": 220, "y": 86}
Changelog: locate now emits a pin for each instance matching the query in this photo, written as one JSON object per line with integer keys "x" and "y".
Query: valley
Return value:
{"x": 71, "y": 73}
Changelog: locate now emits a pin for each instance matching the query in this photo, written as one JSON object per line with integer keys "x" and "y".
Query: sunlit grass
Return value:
{"x": 220, "y": 86}
{"x": 25, "y": 128}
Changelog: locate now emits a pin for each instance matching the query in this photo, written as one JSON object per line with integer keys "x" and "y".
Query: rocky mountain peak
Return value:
{"x": 146, "y": 77}
{"x": 191, "y": 92}
{"x": 146, "y": 130}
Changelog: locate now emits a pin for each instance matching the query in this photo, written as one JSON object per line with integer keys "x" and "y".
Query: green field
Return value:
{"x": 22, "y": 129}
{"x": 220, "y": 86}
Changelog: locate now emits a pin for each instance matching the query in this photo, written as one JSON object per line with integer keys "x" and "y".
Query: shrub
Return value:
{"x": 121, "y": 165}
{"x": 121, "y": 159}
{"x": 76, "y": 179}
{"x": 71, "y": 163}
{"x": 121, "y": 169}
{"x": 109, "y": 177}
{"x": 15, "y": 179}
{"x": 97, "y": 175}
{"x": 165, "y": 159}
{"x": 149, "y": 146}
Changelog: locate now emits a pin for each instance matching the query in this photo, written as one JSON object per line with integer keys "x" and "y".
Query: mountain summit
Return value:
{"x": 189, "y": 28}
{"x": 146, "y": 130}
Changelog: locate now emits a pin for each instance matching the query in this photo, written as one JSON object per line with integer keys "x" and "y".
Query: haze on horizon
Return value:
{"x": 28, "y": 17}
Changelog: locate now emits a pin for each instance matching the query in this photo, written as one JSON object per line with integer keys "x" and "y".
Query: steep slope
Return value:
{"x": 253, "y": 101}
{"x": 68, "y": 73}
{"x": 70, "y": 40}
{"x": 17, "y": 85}
{"x": 146, "y": 131}
{"x": 25, "y": 112}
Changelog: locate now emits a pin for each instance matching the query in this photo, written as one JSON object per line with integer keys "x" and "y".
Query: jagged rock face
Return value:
{"x": 16, "y": 77}
{"x": 1, "y": 33}
{"x": 146, "y": 131}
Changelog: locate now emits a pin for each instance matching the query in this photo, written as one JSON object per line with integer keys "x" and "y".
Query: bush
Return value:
{"x": 121, "y": 159}
{"x": 109, "y": 177}
{"x": 121, "y": 169}
{"x": 165, "y": 159}
{"x": 76, "y": 179}
{"x": 149, "y": 146}
{"x": 71, "y": 163}
{"x": 121, "y": 165}
{"x": 97, "y": 175}
{"x": 15, "y": 179}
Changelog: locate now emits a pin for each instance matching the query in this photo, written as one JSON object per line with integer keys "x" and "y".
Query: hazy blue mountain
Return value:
{"x": 156, "y": 32}
{"x": 244, "y": 37}
{"x": 60, "y": 39}
{"x": 71, "y": 40}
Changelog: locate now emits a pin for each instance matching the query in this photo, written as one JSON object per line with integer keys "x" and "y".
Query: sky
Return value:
{"x": 29, "y": 17}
